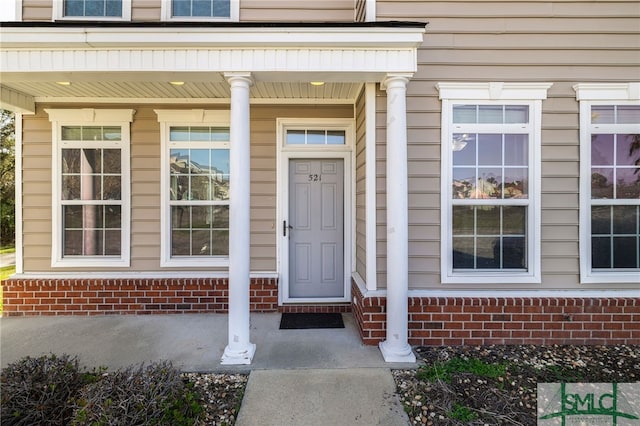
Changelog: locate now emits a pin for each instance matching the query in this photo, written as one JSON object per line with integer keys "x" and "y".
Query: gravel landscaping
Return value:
{"x": 496, "y": 385}
{"x": 221, "y": 396}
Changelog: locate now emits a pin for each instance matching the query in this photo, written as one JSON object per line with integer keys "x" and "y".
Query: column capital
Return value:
{"x": 233, "y": 77}
{"x": 395, "y": 79}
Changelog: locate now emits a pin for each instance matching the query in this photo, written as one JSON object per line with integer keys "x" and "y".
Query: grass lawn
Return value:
{"x": 6, "y": 271}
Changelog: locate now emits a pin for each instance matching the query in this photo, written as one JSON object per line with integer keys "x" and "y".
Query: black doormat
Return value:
{"x": 296, "y": 321}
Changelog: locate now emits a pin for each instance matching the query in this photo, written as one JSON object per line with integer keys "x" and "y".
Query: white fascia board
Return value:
{"x": 299, "y": 37}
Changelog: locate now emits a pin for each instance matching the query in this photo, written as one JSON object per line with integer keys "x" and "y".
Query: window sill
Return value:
{"x": 202, "y": 262}
{"x": 491, "y": 278}
{"x": 610, "y": 277}
{"x": 92, "y": 262}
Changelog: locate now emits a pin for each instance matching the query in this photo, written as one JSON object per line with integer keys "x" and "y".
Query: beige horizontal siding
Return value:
{"x": 146, "y": 187}
{"x": 145, "y": 10}
{"x": 360, "y": 173}
{"x": 522, "y": 41}
{"x": 297, "y": 11}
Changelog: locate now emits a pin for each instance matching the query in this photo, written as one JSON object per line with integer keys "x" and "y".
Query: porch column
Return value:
{"x": 239, "y": 349}
{"x": 396, "y": 347}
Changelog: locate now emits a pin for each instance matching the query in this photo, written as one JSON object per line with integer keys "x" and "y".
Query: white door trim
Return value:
{"x": 286, "y": 153}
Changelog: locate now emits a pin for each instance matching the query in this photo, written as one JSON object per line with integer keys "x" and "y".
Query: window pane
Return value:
{"x": 628, "y": 114}
{"x": 601, "y": 183}
{"x": 516, "y": 114}
{"x": 602, "y": 114}
{"x": 112, "y": 133}
{"x": 464, "y": 179}
{"x": 515, "y": 183}
{"x": 489, "y": 184}
{"x": 180, "y": 217}
{"x": 488, "y": 218}
{"x": 295, "y": 137}
{"x": 180, "y": 243}
{"x": 625, "y": 253}
{"x": 91, "y": 133}
{"x": 335, "y": 137}
{"x": 463, "y": 253}
{"x": 628, "y": 150}
{"x": 628, "y": 183}
{"x": 199, "y": 161}
{"x": 602, "y": 150}
{"x": 111, "y": 161}
{"x": 625, "y": 219}
{"x": 514, "y": 253}
{"x": 199, "y": 134}
{"x": 514, "y": 220}
{"x": 488, "y": 253}
{"x": 74, "y": 8}
{"x": 201, "y": 216}
{"x": 177, "y": 134}
{"x": 464, "y": 113}
{"x": 112, "y": 188}
{"x": 200, "y": 188}
{"x": 112, "y": 217}
{"x": 94, "y": 7}
{"x": 220, "y": 243}
{"x": 112, "y": 243}
{"x": 221, "y": 8}
{"x": 181, "y": 8}
{"x": 70, "y": 161}
{"x": 72, "y": 217}
{"x": 220, "y": 134}
{"x": 220, "y": 217}
{"x": 490, "y": 149}
{"x": 72, "y": 245}
{"x": 201, "y": 243}
{"x": 464, "y": 149}
{"x": 114, "y": 8}
{"x": 490, "y": 114}
{"x": 202, "y": 8}
{"x": 463, "y": 220}
{"x": 516, "y": 150}
{"x": 71, "y": 133}
{"x": 315, "y": 137}
{"x": 601, "y": 219}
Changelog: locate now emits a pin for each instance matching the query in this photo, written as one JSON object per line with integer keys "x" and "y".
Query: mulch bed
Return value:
{"x": 466, "y": 398}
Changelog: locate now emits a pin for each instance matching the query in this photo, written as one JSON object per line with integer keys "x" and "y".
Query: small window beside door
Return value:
{"x": 315, "y": 137}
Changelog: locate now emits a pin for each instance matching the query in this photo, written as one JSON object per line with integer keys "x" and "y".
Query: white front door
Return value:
{"x": 316, "y": 228}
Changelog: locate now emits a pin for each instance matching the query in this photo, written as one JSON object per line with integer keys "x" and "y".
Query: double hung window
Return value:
{"x": 610, "y": 188}
{"x": 195, "y": 189}
{"x": 92, "y": 9}
{"x": 490, "y": 183}
{"x": 91, "y": 187}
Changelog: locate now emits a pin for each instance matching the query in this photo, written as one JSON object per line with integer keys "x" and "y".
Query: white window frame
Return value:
{"x": 165, "y": 13}
{"x": 58, "y": 13}
{"x": 496, "y": 93}
{"x": 172, "y": 118}
{"x": 590, "y": 94}
{"x": 85, "y": 117}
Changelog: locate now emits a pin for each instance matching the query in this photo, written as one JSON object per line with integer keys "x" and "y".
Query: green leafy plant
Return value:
{"x": 444, "y": 370}
{"x": 462, "y": 413}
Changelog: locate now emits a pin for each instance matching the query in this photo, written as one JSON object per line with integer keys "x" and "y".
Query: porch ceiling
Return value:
{"x": 108, "y": 90}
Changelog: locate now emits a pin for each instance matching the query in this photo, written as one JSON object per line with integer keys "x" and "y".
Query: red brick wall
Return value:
{"x": 506, "y": 320}
{"x": 129, "y": 296}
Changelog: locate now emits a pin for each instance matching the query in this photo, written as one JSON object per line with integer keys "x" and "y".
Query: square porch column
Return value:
{"x": 396, "y": 347}
{"x": 239, "y": 349}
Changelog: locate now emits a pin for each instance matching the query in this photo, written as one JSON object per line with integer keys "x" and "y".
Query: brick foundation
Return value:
{"x": 23, "y": 297}
{"x": 506, "y": 320}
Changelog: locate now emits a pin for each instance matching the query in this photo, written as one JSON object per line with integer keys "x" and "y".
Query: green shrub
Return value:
{"x": 151, "y": 395}
{"x": 39, "y": 390}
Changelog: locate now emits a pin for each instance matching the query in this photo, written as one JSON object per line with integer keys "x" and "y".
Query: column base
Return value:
{"x": 393, "y": 354}
{"x": 231, "y": 357}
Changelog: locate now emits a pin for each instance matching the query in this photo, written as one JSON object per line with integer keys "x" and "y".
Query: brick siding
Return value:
{"x": 22, "y": 297}
{"x": 456, "y": 321}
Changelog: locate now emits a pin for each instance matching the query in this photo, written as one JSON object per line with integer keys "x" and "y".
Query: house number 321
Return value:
{"x": 315, "y": 178}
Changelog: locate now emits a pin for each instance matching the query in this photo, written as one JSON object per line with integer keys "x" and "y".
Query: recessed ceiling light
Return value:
{"x": 177, "y": 83}
{"x": 317, "y": 83}
{"x": 63, "y": 83}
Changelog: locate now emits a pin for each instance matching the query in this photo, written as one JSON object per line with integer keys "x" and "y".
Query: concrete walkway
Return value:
{"x": 298, "y": 377}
